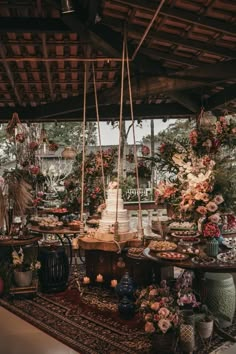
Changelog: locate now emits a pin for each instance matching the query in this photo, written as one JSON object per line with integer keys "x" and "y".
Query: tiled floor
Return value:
{"x": 19, "y": 337}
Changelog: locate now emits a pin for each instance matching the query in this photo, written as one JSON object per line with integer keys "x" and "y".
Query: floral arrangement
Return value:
{"x": 208, "y": 139}
{"x": 190, "y": 168}
{"x": 93, "y": 188}
{"x": 157, "y": 308}
{"x": 20, "y": 263}
{"x": 184, "y": 293}
{"x": 211, "y": 230}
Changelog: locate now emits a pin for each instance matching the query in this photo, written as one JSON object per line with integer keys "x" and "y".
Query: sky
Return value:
{"x": 110, "y": 136}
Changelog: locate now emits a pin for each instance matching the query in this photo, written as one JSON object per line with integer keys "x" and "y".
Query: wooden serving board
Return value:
{"x": 88, "y": 243}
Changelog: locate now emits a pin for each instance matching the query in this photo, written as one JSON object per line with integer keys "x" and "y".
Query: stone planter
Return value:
{"x": 23, "y": 279}
{"x": 205, "y": 328}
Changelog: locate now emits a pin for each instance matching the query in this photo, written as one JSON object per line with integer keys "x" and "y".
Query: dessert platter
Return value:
{"x": 205, "y": 260}
{"x": 191, "y": 251}
{"x": 158, "y": 246}
{"x": 50, "y": 223}
{"x": 227, "y": 257}
{"x": 172, "y": 256}
{"x": 229, "y": 242}
{"x": 185, "y": 225}
{"x": 136, "y": 252}
{"x": 189, "y": 240}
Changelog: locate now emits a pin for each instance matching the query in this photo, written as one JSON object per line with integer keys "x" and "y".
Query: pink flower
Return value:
{"x": 218, "y": 199}
{"x": 211, "y": 230}
{"x": 207, "y": 143}
{"x": 153, "y": 292}
{"x": 233, "y": 130}
{"x": 201, "y": 210}
{"x": 215, "y": 218}
{"x": 212, "y": 207}
{"x": 164, "y": 325}
{"x": 193, "y": 137}
{"x": 148, "y": 317}
{"x": 155, "y": 306}
{"x": 164, "y": 312}
{"x": 149, "y": 327}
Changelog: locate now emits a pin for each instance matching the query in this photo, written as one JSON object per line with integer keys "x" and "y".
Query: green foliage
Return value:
{"x": 70, "y": 133}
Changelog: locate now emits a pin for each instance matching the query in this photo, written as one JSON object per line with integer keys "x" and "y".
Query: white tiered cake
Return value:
{"x": 106, "y": 225}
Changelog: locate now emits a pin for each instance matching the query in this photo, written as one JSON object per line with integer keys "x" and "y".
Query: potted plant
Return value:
{"x": 23, "y": 269}
{"x": 184, "y": 293}
{"x": 160, "y": 315}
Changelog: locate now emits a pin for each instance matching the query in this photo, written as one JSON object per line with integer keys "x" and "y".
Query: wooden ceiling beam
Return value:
{"x": 185, "y": 99}
{"x": 183, "y": 15}
{"x": 9, "y": 73}
{"x": 178, "y": 59}
{"x": 225, "y": 70}
{"x": 222, "y": 98}
{"x": 106, "y": 112}
{"x": 32, "y": 25}
{"x": 145, "y": 86}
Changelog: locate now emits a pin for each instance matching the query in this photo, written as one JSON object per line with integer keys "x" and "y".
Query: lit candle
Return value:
{"x": 113, "y": 283}
{"x": 99, "y": 278}
{"x": 86, "y": 280}
{"x": 75, "y": 243}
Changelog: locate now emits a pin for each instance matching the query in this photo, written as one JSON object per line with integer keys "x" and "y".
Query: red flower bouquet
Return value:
{"x": 211, "y": 230}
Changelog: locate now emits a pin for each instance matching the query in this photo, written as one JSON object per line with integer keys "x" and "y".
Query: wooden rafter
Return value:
{"x": 222, "y": 98}
{"x": 9, "y": 73}
{"x": 172, "y": 39}
{"x": 183, "y": 15}
{"x": 74, "y": 111}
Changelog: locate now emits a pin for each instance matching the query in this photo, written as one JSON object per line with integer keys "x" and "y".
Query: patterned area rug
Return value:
{"x": 91, "y": 323}
{"x": 86, "y": 329}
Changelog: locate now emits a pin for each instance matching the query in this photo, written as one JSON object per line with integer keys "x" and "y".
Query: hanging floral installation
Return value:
{"x": 191, "y": 170}
{"x": 93, "y": 188}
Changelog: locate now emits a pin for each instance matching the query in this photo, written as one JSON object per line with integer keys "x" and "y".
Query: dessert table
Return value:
{"x": 20, "y": 241}
{"x": 216, "y": 267}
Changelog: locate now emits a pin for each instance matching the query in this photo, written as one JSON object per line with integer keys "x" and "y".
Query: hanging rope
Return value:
{"x": 99, "y": 132}
{"x": 140, "y": 226}
{"x": 120, "y": 126}
{"x": 83, "y": 151}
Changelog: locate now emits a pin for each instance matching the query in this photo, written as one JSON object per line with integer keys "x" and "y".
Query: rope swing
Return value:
{"x": 99, "y": 132}
{"x": 83, "y": 152}
{"x": 140, "y": 223}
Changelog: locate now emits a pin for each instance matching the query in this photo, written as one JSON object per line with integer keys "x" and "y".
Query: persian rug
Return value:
{"x": 90, "y": 324}
{"x": 88, "y": 329}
